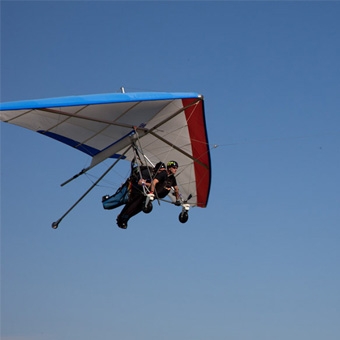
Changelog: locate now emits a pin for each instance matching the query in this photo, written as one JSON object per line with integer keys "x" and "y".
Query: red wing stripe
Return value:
{"x": 200, "y": 149}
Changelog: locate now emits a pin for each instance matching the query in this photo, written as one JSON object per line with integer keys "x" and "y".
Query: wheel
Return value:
{"x": 183, "y": 217}
{"x": 147, "y": 209}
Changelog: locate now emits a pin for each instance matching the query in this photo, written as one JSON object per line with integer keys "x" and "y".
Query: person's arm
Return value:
{"x": 143, "y": 182}
{"x": 176, "y": 193}
{"x": 153, "y": 185}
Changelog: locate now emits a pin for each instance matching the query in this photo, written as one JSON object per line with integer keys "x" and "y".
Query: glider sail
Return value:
{"x": 166, "y": 126}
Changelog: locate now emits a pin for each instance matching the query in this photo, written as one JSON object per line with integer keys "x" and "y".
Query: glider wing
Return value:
{"x": 167, "y": 126}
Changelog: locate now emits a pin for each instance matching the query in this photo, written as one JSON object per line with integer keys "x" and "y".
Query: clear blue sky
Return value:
{"x": 262, "y": 260}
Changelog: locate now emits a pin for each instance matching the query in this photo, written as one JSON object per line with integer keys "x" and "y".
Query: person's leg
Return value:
{"x": 132, "y": 208}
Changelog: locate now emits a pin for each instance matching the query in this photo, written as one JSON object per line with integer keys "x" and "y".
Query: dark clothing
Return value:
{"x": 165, "y": 188}
{"x": 143, "y": 172}
{"x": 137, "y": 199}
{"x": 161, "y": 177}
{"x": 132, "y": 207}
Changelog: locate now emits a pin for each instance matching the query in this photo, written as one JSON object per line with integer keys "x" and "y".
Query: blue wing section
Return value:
{"x": 75, "y": 144}
{"x": 95, "y": 99}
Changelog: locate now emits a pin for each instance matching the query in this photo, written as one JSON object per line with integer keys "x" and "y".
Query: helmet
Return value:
{"x": 159, "y": 165}
{"x": 172, "y": 164}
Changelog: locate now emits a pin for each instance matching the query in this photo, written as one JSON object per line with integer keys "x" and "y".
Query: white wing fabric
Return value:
{"x": 167, "y": 126}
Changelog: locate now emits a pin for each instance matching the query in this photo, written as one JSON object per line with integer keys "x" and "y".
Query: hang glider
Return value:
{"x": 166, "y": 125}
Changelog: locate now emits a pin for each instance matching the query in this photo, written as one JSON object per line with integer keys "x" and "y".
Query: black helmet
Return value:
{"x": 159, "y": 165}
{"x": 172, "y": 164}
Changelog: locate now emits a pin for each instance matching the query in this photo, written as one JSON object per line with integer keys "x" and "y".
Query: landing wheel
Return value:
{"x": 183, "y": 217}
{"x": 147, "y": 209}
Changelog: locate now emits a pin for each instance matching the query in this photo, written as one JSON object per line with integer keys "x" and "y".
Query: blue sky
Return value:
{"x": 262, "y": 260}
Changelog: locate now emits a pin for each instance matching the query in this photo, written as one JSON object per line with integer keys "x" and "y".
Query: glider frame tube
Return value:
{"x": 56, "y": 223}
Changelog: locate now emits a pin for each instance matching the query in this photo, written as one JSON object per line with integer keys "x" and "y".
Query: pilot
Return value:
{"x": 170, "y": 182}
{"x": 137, "y": 198}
